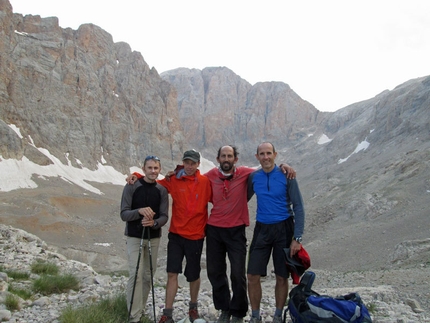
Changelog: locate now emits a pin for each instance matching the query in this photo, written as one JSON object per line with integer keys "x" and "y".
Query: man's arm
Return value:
{"x": 298, "y": 207}
{"x": 250, "y": 191}
{"x": 164, "y": 208}
{"x": 133, "y": 178}
{"x": 287, "y": 169}
{"x": 127, "y": 214}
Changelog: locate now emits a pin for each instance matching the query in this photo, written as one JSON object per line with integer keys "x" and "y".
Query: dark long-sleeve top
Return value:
{"x": 142, "y": 194}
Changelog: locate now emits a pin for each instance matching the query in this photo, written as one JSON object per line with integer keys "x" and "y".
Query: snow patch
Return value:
{"x": 324, "y": 139}
{"x": 16, "y": 129}
{"x": 361, "y": 146}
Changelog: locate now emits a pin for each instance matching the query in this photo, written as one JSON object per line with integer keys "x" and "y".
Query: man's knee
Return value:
{"x": 281, "y": 280}
{"x": 253, "y": 279}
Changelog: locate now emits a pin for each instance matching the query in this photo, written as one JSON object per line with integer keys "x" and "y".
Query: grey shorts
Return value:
{"x": 270, "y": 239}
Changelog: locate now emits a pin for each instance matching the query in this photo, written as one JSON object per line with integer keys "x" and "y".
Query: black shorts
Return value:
{"x": 270, "y": 239}
{"x": 177, "y": 248}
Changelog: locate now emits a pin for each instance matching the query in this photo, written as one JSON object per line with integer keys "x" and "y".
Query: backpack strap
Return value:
{"x": 307, "y": 280}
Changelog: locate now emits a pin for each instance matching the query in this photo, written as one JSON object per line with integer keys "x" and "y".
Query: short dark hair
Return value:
{"x": 151, "y": 157}
{"x": 235, "y": 150}
{"x": 266, "y": 142}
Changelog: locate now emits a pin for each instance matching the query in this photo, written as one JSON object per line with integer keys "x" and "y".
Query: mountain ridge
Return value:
{"x": 363, "y": 170}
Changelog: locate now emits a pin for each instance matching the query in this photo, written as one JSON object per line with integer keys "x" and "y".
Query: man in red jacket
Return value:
{"x": 191, "y": 193}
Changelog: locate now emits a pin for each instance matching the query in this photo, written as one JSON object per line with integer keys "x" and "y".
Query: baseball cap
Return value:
{"x": 192, "y": 155}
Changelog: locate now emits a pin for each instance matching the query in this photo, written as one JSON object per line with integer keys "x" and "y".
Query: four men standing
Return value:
{"x": 225, "y": 235}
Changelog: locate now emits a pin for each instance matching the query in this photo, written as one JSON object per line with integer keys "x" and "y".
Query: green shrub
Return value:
{"x": 372, "y": 308}
{"x": 15, "y": 274}
{"x": 117, "y": 273}
{"x": 48, "y": 284}
{"x": 109, "y": 310}
{"x": 12, "y": 302}
{"x": 44, "y": 268}
{"x": 23, "y": 293}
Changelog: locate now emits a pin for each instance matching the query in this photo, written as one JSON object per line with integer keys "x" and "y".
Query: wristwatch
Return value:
{"x": 155, "y": 224}
{"x": 298, "y": 239}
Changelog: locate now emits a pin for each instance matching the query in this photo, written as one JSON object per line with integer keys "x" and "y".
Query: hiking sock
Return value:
{"x": 278, "y": 312}
{"x": 256, "y": 313}
{"x": 168, "y": 312}
{"x": 193, "y": 305}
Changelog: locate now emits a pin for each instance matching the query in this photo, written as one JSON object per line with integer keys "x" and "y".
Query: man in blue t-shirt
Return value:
{"x": 280, "y": 223}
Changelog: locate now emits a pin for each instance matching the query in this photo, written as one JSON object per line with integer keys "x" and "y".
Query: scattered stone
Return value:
{"x": 21, "y": 249}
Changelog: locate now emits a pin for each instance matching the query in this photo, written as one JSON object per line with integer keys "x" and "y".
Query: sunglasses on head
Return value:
{"x": 152, "y": 157}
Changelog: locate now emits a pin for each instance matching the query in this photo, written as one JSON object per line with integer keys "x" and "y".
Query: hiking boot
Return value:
{"x": 166, "y": 319}
{"x": 277, "y": 319}
{"x": 193, "y": 313}
{"x": 224, "y": 317}
{"x": 235, "y": 319}
{"x": 255, "y": 320}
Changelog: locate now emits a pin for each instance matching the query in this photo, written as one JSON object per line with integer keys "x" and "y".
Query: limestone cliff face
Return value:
{"x": 88, "y": 100}
{"x": 217, "y": 107}
{"x": 77, "y": 92}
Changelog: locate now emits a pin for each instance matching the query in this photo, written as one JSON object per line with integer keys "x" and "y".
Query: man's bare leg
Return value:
{"x": 171, "y": 289}
{"x": 254, "y": 291}
{"x": 194, "y": 290}
{"x": 281, "y": 291}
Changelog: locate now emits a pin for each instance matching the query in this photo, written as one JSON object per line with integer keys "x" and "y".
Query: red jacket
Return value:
{"x": 190, "y": 195}
{"x": 303, "y": 258}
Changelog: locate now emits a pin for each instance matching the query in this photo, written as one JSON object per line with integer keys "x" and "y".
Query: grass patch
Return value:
{"x": 44, "y": 268}
{"x": 109, "y": 310}
{"x": 23, "y": 293}
{"x": 371, "y": 307}
{"x": 12, "y": 302}
{"x": 48, "y": 284}
{"x": 15, "y": 274}
{"x": 117, "y": 273}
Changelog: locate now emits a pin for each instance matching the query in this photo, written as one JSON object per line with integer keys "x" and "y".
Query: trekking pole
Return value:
{"x": 135, "y": 275}
{"x": 152, "y": 275}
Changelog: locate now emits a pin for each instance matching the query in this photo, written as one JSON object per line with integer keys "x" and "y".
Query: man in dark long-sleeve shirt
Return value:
{"x": 144, "y": 206}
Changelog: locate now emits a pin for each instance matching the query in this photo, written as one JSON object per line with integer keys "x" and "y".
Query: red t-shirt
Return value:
{"x": 229, "y": 198}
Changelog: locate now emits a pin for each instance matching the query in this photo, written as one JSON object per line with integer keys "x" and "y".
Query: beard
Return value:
{"x": 226, "y": 166}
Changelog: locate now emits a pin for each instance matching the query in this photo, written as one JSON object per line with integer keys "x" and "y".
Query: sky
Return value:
{"x": 332, "y": 53}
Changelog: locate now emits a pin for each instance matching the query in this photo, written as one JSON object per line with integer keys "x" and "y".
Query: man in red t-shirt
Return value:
{"x": 225, "y": 234}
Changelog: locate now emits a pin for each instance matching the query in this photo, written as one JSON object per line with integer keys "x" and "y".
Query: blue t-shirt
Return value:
{"x": 277, "y": 198}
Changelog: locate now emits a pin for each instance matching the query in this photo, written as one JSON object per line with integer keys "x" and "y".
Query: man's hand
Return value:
{"x": 287, "y": 169}
{"x": 148, "y": 222}
{"x": 131, "y": 179}
{"x": 294, "y": 247}
{"x": 147, "y": 213}
{"x": 169, "y": 174}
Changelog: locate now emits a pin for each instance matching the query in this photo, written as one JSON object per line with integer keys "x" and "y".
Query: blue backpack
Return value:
{"x": 307, "y": 306}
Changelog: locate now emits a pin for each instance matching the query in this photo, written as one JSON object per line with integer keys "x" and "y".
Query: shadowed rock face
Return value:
{"x": 217, "y": 107}
{"x": 363, "y": 170}
{"x": 78, "y": 92}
